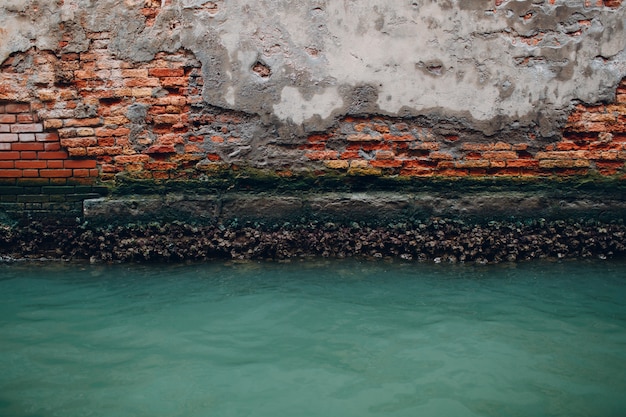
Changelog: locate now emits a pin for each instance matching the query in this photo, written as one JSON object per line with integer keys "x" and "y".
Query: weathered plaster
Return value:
{"x": 305, "y": 63}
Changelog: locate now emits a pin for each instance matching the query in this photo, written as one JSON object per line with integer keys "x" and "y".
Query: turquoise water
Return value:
{"x": 315, "y": 338}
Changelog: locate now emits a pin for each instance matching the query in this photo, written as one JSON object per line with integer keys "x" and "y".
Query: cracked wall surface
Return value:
{"x": 169, "y": 89}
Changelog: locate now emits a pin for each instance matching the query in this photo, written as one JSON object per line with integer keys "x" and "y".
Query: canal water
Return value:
{"x": 313, "y": 338}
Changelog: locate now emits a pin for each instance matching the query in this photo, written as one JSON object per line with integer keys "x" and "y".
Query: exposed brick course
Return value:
{"x": 593, "y": 141}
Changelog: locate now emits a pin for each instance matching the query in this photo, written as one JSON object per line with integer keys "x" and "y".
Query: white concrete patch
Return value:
{"x": 296, "y": 108}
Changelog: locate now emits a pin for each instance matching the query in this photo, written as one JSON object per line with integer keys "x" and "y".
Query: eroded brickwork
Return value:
{"x": 79, "y": 117}
{"x": 593, "y": 141}
{"x": 124, "y": 117}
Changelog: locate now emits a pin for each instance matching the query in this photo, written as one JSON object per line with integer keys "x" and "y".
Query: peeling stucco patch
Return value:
{"x": 297, "y": 109}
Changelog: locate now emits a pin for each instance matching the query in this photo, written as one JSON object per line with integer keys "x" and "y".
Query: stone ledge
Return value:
{"x": 371, "y": 207}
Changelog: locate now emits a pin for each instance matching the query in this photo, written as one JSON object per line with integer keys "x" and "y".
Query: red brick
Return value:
{"x": 89, "y": 122}
{"x": 134, "y": 73}
{"x": 142, "y": 82}
{"x": 78, "y": 142}
{"x": 129, "y": 159}
{"x": 80, "y": 163}
{"x": 522, "y": 163}
{"x": 28, "y": 155}
{"x": 562, "y": 155}
{"x": 85, "y": 74}
{"x": 322, "y": 155}
{"x": 171, "y": 100}
{"x": 313, "y": 147}
{"x": 417, "y": 172}
{"x": 385, "y": 155}
{"x": 7, "y": 118}
{"x": 115, "y": 120}
{"x": 160, "y": 166}
{"x": 174, "y": 81}
{"x": 563, "y": 163}
{"x": 10, "y": 173}
{"x": 47, "y": 137}
{"x": 386, "y": 164}
{"x": 441, "y": 156}
{"x": 568, "y": 146}
{"x": 474, "y": 155}
{"x": 53, "y": 155}
{"x": 56, "y": 164}
{"x": 27, "y": 146}
{"x": 350, "y": 155}
{"x": 104, "y": 150}
{"x": 30, "y": 164}
{"x": 4, "y": 155}
{"x": 399, "y": 138}
{"x": 318, "y": 138}
{"x": 477, "y": 163}
{"x": 167, "y": 119}
{"x": 52, "y": 146}
{"x": 193, "y": 149}
{"x": 26, "y": 118}
{"x": 453, "y": 173}
{"x": 85, "y": 131}
{"x": 17, "y": 108}
{"x": 120, "y": 131}
{"x": 445, "y": 165}
{"x": 499, "y": 155}
{"x": 52, "y": 124}
{"x": 156, "y": 110}
{"x": 502, "y": 146}
{"x": 106, "y": 141}
{"x": 372, "y": 146}
{"x": 419, "y": 163}
{"x": 160, "y": 149}
{"x": 71, "y": 57}
{"x": 7, "y": 164}
{"x": 166, "y": 72}
{"x": 30, "y": 173}
{"x": 55, "y": 173}
{"x": 77, "y": 152}
{"x": 80, "y": 173}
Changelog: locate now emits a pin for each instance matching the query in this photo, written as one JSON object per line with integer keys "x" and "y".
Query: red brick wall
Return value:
{"x": 69, "y": 117}
{"x": 27, "y": 151}
{"x": 594, "y": 140}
